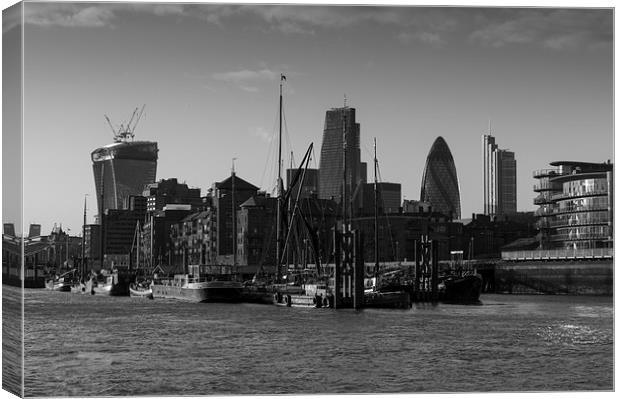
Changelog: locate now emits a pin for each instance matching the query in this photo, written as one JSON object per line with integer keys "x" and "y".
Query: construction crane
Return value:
{"x": 125, "y": 131}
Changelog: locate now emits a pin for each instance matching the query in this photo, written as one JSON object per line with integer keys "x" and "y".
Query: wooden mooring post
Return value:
{"x": 348, "y": 269}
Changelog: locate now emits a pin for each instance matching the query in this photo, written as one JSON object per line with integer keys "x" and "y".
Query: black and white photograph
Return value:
{"x": 217, "y": 198}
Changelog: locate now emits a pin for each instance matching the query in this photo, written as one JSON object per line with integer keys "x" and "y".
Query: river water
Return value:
{"x": 88, "y": 345}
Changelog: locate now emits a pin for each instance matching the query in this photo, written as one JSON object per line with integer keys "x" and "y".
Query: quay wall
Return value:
{"x": 578, "y": 277}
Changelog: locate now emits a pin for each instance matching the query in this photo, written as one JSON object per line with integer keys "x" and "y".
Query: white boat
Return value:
{"x": 141, "y": 289}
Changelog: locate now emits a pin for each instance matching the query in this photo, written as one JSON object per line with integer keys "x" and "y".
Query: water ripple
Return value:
{"x": 86, "y": 345}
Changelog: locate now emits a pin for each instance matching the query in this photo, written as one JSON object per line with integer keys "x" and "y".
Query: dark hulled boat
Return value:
{"x": 462, "y": 289}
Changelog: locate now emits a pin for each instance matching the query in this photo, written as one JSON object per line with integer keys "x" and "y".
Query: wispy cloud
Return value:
{"x": 421, "y": 37}
{"x": 554, "y": 29}
{"x": 557, "y": 29}
{"x": 68, "y": 15}
{"x": 262, "y": 134}
{"x": 246, "y": 79}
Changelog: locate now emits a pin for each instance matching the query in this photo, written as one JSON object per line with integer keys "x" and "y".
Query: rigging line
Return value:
{"x": 270, "y": 150}
{"x": 387, "y": 219}
{"x": 287, "y": 140}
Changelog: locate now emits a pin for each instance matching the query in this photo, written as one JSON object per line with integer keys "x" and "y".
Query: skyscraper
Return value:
{"x": 340, "y": 130}
{"x": 440, "y": 185}
{"x": 500, "y": 178}
{"x": 125, "y": 167}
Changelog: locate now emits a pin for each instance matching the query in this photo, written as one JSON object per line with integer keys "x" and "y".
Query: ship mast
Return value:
{"x": 82, "y": 266}
{"x": 101, "y": 215}
{"x": 376, "y": 187}
{"x": 234, "y": 214}
{"x": 279, "y": 193}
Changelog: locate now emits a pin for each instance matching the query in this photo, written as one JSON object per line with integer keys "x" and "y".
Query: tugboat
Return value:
{"x": 462, "y": 284}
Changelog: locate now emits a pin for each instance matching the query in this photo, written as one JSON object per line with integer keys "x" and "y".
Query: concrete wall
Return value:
{"x": 573, "y": 278}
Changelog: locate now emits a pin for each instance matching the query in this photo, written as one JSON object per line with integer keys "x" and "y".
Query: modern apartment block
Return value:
{"x": 499, "y": 178}
{"x": 575, "y": 202}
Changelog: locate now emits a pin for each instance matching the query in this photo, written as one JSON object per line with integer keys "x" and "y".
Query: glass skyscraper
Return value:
{"x": 440, "y": 185}
{"x": 340, "y": 130}
{"x": 125, "y": 168}
{"x": 500, "y": 178}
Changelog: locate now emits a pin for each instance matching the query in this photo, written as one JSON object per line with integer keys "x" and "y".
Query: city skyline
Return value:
{"x": 209, "y": 76}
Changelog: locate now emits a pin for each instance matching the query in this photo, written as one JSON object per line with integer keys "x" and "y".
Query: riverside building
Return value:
{"x": 499, "y": 178}
{"x": 575, "y": 205}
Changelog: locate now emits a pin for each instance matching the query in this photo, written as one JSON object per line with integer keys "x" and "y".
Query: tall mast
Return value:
{"x": 137, "y": 245}
{"x": 234, "y": 214}
{"x": 344, "y": 166}
{"x": 279, "y": 191}
{"x": 82, "y": 266}
{"x": 101, "y": 216}
{"x": 376, "y": 215}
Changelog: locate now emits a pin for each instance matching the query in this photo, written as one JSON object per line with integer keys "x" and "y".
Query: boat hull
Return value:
{"x": 261, "y": 295}
{"x": 192, "y": 294}
{"x": 62, "y": 286}
{"x": 111, "y": 289}
{"x": 389, "y": 300}
{"x": 140, "y": 292}
{"x": 465, "y": 289}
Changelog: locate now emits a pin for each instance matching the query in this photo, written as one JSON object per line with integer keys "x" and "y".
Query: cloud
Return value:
{"x": 262, "y": 134}
{"x": 557, "y": 29}
{"x": 68, "y": 15}
{"x": 421, "y": 37}
{"x": 246, "y": 79}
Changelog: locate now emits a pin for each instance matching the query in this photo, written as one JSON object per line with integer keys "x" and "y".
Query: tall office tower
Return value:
{"x": 440, "y": 185}
{"x": 340, "y": 130}
{"x": 310, "y": 184}
{"x": 500, "y": 178}
{"x": 125, "y": 167}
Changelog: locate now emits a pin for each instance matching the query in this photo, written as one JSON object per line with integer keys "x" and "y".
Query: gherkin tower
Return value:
{"x": 440, "y": 185}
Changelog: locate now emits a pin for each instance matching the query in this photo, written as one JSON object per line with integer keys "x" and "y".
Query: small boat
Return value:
{"x": 389, "y": 296}
{"x": 113, "y": 284}
{"x": 313, "y": 295}
{"x": 141, "y": 289}
{"x": 61, "y": 283}
{"x": 81, "y": 287}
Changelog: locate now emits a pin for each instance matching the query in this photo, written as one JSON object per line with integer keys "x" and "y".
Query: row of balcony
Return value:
{"x": 542, "y": 199}
{"x": 574, "y": 236}
{"x": 554, "y": 254}
{"x": 547, "y": 186}
{"x": 592, "y": 193}
{"x": 578, "y": 222}
{"x": 545, "y": 172}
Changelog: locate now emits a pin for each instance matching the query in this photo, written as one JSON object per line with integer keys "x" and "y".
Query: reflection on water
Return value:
{"x": 85, "y": 345}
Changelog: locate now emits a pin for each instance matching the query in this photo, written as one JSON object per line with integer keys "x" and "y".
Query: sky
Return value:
{"x": 209, "y": 75}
